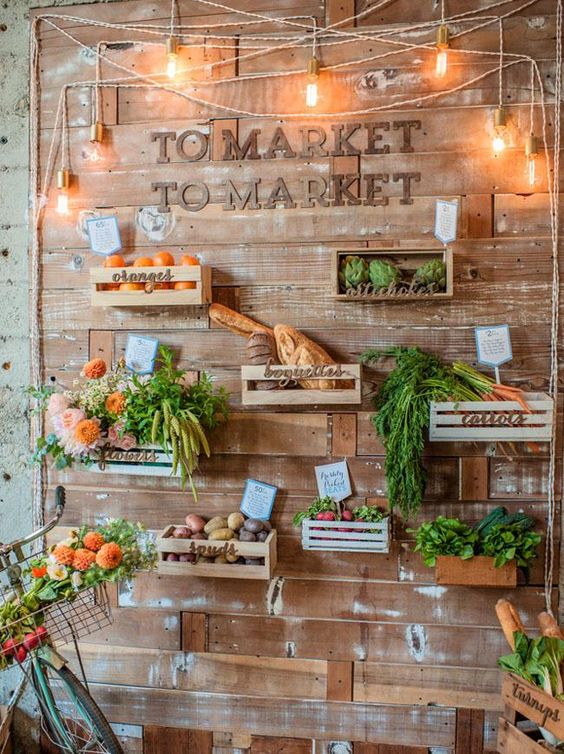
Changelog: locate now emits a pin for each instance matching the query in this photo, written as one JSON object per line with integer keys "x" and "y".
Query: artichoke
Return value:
{"x": 432, "y": 273}
{"x": 383, "y": 274}
{"x": 354, "y": 272}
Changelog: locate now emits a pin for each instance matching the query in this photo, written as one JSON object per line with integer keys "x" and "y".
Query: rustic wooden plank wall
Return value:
{"x": 346, "y": 648}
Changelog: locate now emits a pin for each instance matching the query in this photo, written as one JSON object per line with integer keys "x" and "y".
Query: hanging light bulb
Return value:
{"x": 313, "y": 76}
{"x": 498, "y": 140}
{"x": 96, "y": 138}
{"x": 531, "y": 150}
{"x": 171, "y": 56}
{"x": 442, "y": 51}
{"x": 63, "y": 184}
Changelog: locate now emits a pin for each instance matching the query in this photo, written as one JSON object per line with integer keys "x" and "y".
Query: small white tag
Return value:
{"x": 258, "y": 499}
{"x": 140, "y": 354}
{"x": 333, "y": 480}
{"x": 493, "y": 345}
{"x": 446, "y": 220}
{"x": 103, "y": 235}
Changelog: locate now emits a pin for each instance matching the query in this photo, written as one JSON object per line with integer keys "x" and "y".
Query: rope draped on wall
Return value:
{"x": 299, "y": 33}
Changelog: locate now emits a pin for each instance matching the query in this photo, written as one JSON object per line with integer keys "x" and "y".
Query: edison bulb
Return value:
{"x": 441, "y": 63}
{"x": 531, "y": 171}
{"x": 63, "y": 203}
{"x": 311, "y": 94}
{"x": 171, "y": 66}
{"x": 94, "y": 153}
{"x": 498, "y": 144}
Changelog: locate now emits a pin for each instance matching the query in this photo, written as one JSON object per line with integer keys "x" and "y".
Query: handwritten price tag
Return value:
{"x": 493, "y": 345}
{"x": 333, "y": 480}
{"x": 446, "y": 220}
{"x": 103, "y": 235}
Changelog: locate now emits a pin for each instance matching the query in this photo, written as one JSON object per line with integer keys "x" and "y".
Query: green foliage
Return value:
{"x": 319, "y": 505}
{"x": 383, "y": 274}
{"x": 537, "y": 661}
{"x": 370, "y": 513}
{"x": 49, "y": 446}
{"x": 353, "y": 272}
{"x": 444, "y": 536}
{"x": 499, "y": 535}
{"x": 506, "y": 542}
{"x": 41, "y": 396}
{"x": 402, "y": 418}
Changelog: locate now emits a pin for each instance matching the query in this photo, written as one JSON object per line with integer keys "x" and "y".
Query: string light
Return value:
{"x": 96, "y": 139}
{"x": 442, "y": 51}
{"x": 313, "y": 67}
{"x": 171, "y": 56}
{"x": 500, "y": 119}
{"x": 531, "y": 151}
{"x": 63, "y": 185}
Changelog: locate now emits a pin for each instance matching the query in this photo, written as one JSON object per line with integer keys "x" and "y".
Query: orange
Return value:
{"x": 131, "y": 286}
{"x": 163, "y": 286}
{"x": 108, "y": 286}
{"x": 143, "y": 262}
{"x": 115, "y": 260}
{"x": 163, "y": 259}
{"x": 189, "y": 260}
{"x": 184, "y": 285}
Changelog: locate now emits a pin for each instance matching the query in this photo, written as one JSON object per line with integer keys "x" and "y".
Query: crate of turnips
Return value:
{"x": 328, "y": 525}
{"x": 231, "y": 546}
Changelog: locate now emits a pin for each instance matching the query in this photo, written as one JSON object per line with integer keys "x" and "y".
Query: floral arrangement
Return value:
{"x": 87, "y": 558}
{"x": 121, "y": 410}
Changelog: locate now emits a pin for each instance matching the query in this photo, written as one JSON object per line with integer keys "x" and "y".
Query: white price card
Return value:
{"x": 333, "y": 480}
{"x": 446, "y": 220}
{"x": 258, "y": 499}
{"x": 140, "y": 354}
{"x": 103, "y": 235}
{"x": 493, "y": 345}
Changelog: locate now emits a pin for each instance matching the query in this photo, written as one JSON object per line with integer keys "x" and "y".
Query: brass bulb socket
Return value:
{"x": 63, "y": 179}
{"x": 97, "y": 131}
{"x": 313, "y": 68}
{"x": 499, "y": 117}
{"x": 442, "y": 37}
{"x": 172, "y": 46}
{"x": 531, "y": 145}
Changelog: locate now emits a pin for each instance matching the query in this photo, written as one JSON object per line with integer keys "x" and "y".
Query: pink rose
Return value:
{"x": 113, "y": 436}
{"x": 57, "y": 404}
{"x": 71, "y": 417}
{"x": 127, "y": 442}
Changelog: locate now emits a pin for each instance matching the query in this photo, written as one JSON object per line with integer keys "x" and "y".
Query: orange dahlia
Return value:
{"x": 83, "y": 559}
{"x": 87, "y": 431}
{"x": 93, "y": 541}
{"x": 94, "y": 369}
{"x": 64, "y": 555}
{"x": 115, "y": 403}
{"x": 109, "y": 556}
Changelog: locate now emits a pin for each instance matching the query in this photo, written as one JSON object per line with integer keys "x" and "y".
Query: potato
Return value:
{"x": 171, "y": 557}
{"x": 254, "y": 525}
{"x": 199, "y": 535}
{"x": 254, "y": 561}
{"x": 221, "y": 534}
{"x": 195, "y": 522}
{"x": 262, "y": 536}
{"x": 247, "y": 536}
{"x": 187, "y": 557}
{"x": 267, "y": 526}
{"x": 220, "y": 559}
{"x": 217, "y": 522}
{"x": 231, "y": 557}
{"x": 182, "y": 532}
{"x": 235, "y": 520}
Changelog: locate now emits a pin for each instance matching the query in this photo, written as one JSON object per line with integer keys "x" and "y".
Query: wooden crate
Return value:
{"x": 477, "y": 571}
{"x": 328, "y": 535}
{"x": 5, "y": 729}
{"x": 487, "y": 421}
{"x": 144, "y": 461}
{"x": 296, "y": 396}
{"x": 407, "y": 260}
{"x": 267, "y": 550}
{"x": 511, "y": 740}
{"x": 534, "y": 704}
{"x": 201, "y": 294}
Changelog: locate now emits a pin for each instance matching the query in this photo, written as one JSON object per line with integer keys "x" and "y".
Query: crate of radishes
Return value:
{"x": 327, "y": 525}
{"x": 231, "y": 546}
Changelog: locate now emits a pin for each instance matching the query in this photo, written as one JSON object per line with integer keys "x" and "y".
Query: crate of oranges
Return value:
{"x": 151, "y": 281}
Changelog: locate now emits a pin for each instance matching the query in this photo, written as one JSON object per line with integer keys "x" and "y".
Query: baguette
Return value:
{"x": 235, "y": 321}
{"x": 509, "y": 620}
{"x": 261, "y": 349}
{"x": 548, "y": 626}
{"x": 294, "y": 348}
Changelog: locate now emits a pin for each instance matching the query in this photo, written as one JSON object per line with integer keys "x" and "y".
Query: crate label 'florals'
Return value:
{"x": 118, "y": 411}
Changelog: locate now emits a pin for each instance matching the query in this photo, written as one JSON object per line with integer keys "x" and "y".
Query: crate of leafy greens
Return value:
{"x": 533, "y": 686}
{"x": 487, "y": 554}
{"x": 328, "y": 525}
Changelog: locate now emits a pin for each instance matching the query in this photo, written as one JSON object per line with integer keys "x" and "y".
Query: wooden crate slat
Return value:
{"x": 200, "y": 275}
{"x": 534, "y": 704}
{"x": 325, "y": 535}
{"x": 511, "y": 740}
{"x": 477, "y": 571}
{"x": 300, "y": 396}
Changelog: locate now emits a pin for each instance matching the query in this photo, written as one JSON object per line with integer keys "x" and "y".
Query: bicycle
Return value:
{"x": 69, "y": 716}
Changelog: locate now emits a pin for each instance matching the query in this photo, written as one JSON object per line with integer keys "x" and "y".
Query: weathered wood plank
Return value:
{"x": 469, "y": 730}
{"x": 194, "y": 632}
{"x": 340, "y": 681}
{"x": 176, "y": 740}
{"x": 271, "y": 745}
{"x": 343, "y": 435}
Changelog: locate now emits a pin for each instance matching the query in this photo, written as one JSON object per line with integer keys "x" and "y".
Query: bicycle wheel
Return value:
{"x": 73, "y": 720}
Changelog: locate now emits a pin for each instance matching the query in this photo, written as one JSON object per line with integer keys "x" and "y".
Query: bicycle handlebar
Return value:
{"x": 59, "y": 508}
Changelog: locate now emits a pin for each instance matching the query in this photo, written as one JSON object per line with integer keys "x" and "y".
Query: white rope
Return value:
{"x": 500, "y": 63}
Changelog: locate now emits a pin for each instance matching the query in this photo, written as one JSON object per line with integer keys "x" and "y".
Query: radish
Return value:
{"x": 20, "y": 654}
{"x": 31, "y": 641}
{"x": 347, "y": 515}
{"x": 9, "y": 647}
{"x": 41, "y": 633}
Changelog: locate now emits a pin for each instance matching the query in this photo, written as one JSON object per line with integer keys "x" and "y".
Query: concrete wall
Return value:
{"x": 15, "y": 470}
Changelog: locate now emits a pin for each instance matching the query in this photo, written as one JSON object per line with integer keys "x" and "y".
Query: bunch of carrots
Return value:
{"x": 487, "y": 388}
